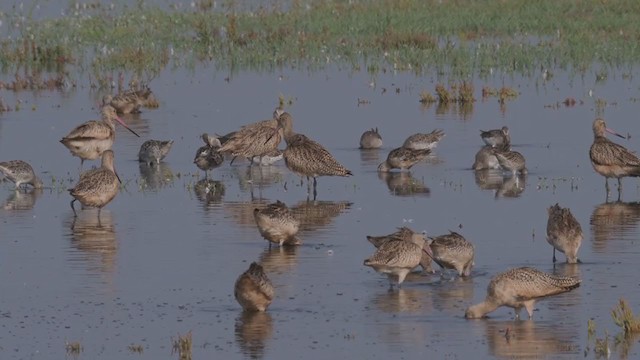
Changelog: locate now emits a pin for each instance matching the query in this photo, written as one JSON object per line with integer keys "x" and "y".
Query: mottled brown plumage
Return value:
{"x": 254, "y": 140}
{"x": 397, "y": 258}
{"x": 20, "y": 172}
{"x": 564, "y": 233}
{"x": 424, "y": 141}
{"x": 518, "y": 288}
{"x": 277, "y": 224}
{"x": 208, "y": 156}
{"x": 486, "y": 159}
{"x": 253, "y": 289}
{"x": 496, "y": 137}
{"x": 124, "y": 103}
{"x": 511, "y": 161}
{"x": 153, "y": 151}
{"x": 97, "y": 187}
{"x": 403, "y": 158}
{"x": 89, "y": 140}
{"x": 610, "y": 159}
{"x": 406, "y": 234}
{"x": 370, "y": 139}
{"x": 453, "y": 251}
{"x": 306, "y": 157}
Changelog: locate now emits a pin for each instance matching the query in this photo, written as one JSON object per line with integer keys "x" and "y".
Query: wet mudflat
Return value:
{"x": 166, "y": 252}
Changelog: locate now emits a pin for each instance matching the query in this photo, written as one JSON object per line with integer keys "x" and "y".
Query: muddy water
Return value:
{"x": 163, "y": 259}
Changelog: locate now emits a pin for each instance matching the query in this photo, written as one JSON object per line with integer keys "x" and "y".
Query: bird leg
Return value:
{"x": 554, "y": 254}
{"x": 606, "y": 185}
{"x": 72, "y": 208}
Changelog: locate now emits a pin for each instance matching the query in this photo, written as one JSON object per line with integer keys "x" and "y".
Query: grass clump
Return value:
{"x": 623, "y": 317}
{"x": 182, "y": 346}
{"x": 73, "y": 348}
{"x": 136, "y": 349}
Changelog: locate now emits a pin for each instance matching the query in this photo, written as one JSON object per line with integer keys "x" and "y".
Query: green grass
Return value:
{"x": 457, "y": 38}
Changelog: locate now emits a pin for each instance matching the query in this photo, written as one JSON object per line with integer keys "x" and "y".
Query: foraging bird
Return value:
{"x": 20, "y": 172}
{"x": 610, "y": 159}
{"x": 97, "y": 187}
{"x": 486, "y": 159}
{"x": 511, "y": 161}
{"x": 518, "y": 288}
{"x": 406, "y": 234}
{"x": 306, "y": 157}
{"x": 424, "y": 141}
{"x": 277, "y": 224}
{"x": 153, "y": 151}
{"x": 397, "y": 258}
{"x": 208, "y": 156}
{"x": 453, "y": 251}
{"x": 403, "y": 158}
{"x": 124, "y": 103}
{"x": 89, "y": 140}
{"x": 370, "y": 139}
{"x": 253, "y": 289}
{"x": 496, "y": 137}
{"x": 564, "y": 233}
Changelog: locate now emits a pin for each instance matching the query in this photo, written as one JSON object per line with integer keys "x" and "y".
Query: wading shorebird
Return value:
{"x": 254, "y": 140}
{"x": 518, "y": 288}
{"x": 610, "y": 159}
{"x": 20, "y": 172}
{"x": 564, "y": 233}
{"x": 406, "y": 234}
{"x": 253, "y": 289}
{"x": 277, "y": 224}
{"x": 496, "y": 137}
{"x": 511, "y": 161}
{"x": 370, "y": 139}
{"x": 89, "y": 140}
{"x": 97, "y": 187}
{"x": 424, "y": 141}
{"x": 397, "y": 258}
{"x": 208, "y": 156}
{"x": 306, "y": 157}
{"x": 486, "y": 159}
{"x": 125, "y": 103}
{"x": 403, "y": 158}
{"x": 452, "y": 251}
{"x": 153, "y": 151}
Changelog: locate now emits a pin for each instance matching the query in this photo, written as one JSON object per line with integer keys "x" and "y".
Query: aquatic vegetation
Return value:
{"x": 602, "y": 348}
{"x": 182, "y": 346}
{"x": 137, "y": 349}
{"x": 73, "y": 348}
{"x": 623, "y": 317}
{"x": 459, "y": 38}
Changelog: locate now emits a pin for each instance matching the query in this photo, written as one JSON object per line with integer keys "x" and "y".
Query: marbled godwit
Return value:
{"x": 269, "y": 158}
{"x": 496, "y": 137}
{"x": 610, "y": 159}
{"x": 145, "y": 96}
{"x": 403, "y": 158}
{"x": 277, "y": 224}
{"x": 208, "y": 156}
{"x": 511, "y": 161}
{"x": 306, "y": 157}
{"x": 254, "y": 140}
{"x": 518, "y": 288}
{"x": 125, "y": 103}
{"x": 397, "y": 258}
{"x": 406, "y": 234}
{"x": 486, "y": 159}
{"x": 253, "y": 289}
{"x": 453, "y": 251}
{"x": 564, "y": 233}
{"x": 370, "y": 139}
{"x": 424, "y": 141}
{"x": 153, "y": 151}
{"x": 20, "y": 172}
{"x": 89, "y": 140}
{"x": 97, "y": 187}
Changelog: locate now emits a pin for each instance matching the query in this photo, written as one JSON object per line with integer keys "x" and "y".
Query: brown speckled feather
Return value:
{"x": 277, "y": 224}
{"x": 453, "y": 251}
{"x": 306, "y": 157}
{"x": 20, "y": 172}
{"x": 564, "y": 232}
{"x": 424, "y": 141}
{"x": 253, "y": 289}
{"x": 99, "y": 186}
{"x": 403, "y": 158}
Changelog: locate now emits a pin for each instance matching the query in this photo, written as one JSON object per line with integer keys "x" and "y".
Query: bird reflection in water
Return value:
{"x": 314, "y": 215}
{"x": 404, "y": 184}
{"x": 95, "y": 239}
{"x": 452, "y": 295}
{"x": 279, "y": 260}
{"x": 209, "y": 192}
{"x": 155, "y": 176}
{"x": 614, "y": 220}
{"x": 489, "y": 179}
{"x": 253, "y": 329}
{"x": 532, "y": 339}
{"x": 370, "y": 157}
{"x": 261, "y": 177}
{"x": 408, "y": 300}
{"x": 513, "y": 186}
{"x": 22, "y": 200}
{"x": 503, "y": 185}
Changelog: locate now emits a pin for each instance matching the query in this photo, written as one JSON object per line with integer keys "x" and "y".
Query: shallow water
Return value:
{"x": 163, "y": 259}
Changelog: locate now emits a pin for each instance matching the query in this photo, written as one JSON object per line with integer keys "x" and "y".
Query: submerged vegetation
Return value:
{"x": 454, "y": 38}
